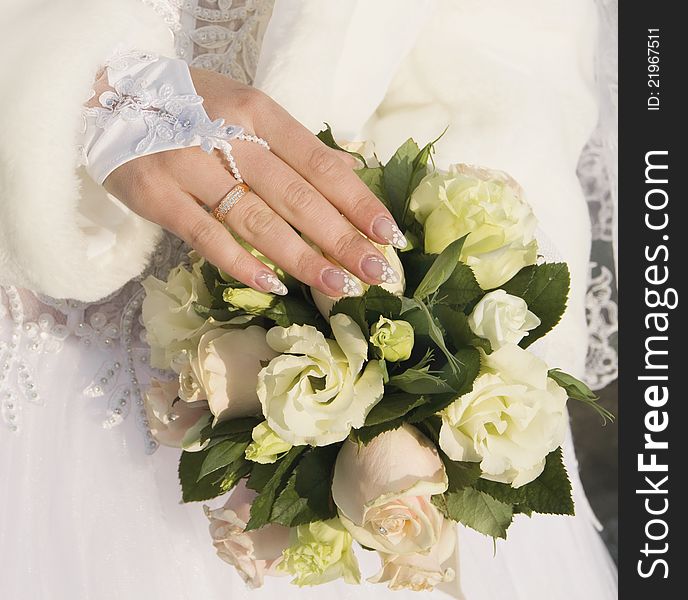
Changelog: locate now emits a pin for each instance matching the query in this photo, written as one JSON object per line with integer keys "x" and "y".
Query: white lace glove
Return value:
{"x": 151, "y": 106}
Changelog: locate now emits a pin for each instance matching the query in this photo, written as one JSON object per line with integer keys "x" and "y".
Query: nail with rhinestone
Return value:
{"x": 376, "y": 267}
{"x": 388, "y": 231}
{"x": 341, "y": 282}
{"x": 269, "y": 282}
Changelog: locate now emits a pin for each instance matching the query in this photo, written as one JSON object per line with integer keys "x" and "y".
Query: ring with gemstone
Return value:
{"x": 229, "y": 200}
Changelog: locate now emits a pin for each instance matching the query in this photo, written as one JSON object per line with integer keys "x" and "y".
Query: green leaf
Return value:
{"x": 290, "y": 310}
{"x": 455, "y": 324}
{"x": 460, "y": 289}
{"x": 416, "y": 265}
{"x": 261, "y": 509}
{"x": 550, "y": 493}
{"x": 424, "y": 323}
{"x": 354, "y": 307}
{"x": 577, "y": 390}
{"x": 234, "y": 473}
{"x": 392, "y": 407}
{"x": 365, "y": 435}
{"x": 260, "y": 475}
{"x": 306, "y": 497}
{"x": 221, "y": 455}
{"x": 477, "y": 510}
{"x": 545, "y": 289}
{"x": 193, "y": 489}
{"x": 461, "y": 474}
{"x": 379, "y": 302}
{"x": 373, "y": 178}
{"x": 419, "y": 381}
{"x": 440, "y": 270}
{"x": 327, "y": 138}
{"x": 397, "y": 176}
{"x": 238, "y": 430}
{"x": 210, "y": 275}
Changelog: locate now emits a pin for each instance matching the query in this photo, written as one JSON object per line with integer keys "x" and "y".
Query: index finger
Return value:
{"x": 332, "y": 176}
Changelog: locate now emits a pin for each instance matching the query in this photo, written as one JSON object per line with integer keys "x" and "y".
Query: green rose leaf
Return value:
{"x": 440, "y": 270}
{"x": 392, "y": 407}
{"x": 577, "y": 390}
{"x": 234, "y": 473}
{"x": 477, "y": 510}
{"x": 550, "y": 493}
{"x": 365, "y": 435}
{"x": 455, "y": 324}
{"x": 237, "y": 430}
{"x": 381, "y": 303}
{"x": 397, "y": 176}
{"x": 545, "y": 289}
{"x": 327, "y": 138}
{"x": 460, "y": 289}
{"x": 193, "y": 489}
{"x": 420, "y": 381}
{"x": 306, "y": 497}
{"x": 290, "y": 310}
{"x": 261, "y": 509}
{"x": 373, "y": 178}
{"x": 260, "y": 475}
{"x": 461, "y": 474}
{"x": 354, "y": 307}
{"x": 219, "y": 456}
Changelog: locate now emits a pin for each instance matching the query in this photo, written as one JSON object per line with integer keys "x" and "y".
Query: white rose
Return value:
{"x": 421, "y": 572}
{"x": 383, "y": 490}
{"x": 511, "y": 420}
{"x": 168, "y": 418}
{"x": 319, "y": 389}
{"x": 172, "y": 324}
{"x": 227, "y": 367}
{"x": 325, "y": 303}
{"x": 502, "y": 319}
{"x": 486, "y": 205}
{"x": 254, "y": 554}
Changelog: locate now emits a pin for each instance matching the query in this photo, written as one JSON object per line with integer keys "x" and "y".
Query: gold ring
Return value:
{"x": 229, "y": 200}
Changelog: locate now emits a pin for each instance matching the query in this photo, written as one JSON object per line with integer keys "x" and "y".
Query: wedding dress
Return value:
{"x": 89, "y": 504}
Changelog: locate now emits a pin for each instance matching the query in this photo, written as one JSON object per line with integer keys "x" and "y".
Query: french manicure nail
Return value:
{"x": 342, "y": 282}
{"x": 388, "y": 230}
{"x": 269, "y": 282}
{"x": 378, "y": 268}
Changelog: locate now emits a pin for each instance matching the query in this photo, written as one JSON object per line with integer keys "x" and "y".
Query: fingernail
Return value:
{"x": 341, "y": 282}
{"x": 378, "y": 268}
{"x": 269, "y": 282}
{"x": 388, "y": 230}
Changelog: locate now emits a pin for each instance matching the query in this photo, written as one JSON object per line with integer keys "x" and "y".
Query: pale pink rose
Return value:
{"x": 168, "y": 418}
{"x": 421, "y": 572}
{"x": 227, "y": 369}
{"x": 383, "y": 491}
{"x": 254, "y": 554}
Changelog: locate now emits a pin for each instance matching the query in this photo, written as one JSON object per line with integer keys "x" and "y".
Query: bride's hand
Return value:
{"x": 299, "y": 184}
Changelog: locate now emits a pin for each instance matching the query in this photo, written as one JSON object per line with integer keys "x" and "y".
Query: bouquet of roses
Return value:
{"x": 382, "y": 419}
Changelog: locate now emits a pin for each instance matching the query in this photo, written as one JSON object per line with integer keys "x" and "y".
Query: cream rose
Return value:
{"x": 254, "y": 554}
{"x": 172, "y": 324}
{"x": 486, "y": 205}
{"x": 168, "y": 418}
{"x": 421, "y": 572}
{"x": 226, "y": 368}
{"x": 325, "y": 303}
{"x": 383, "y": 489}
{"x": 319, "y": 389}
{"x": 511, "y": 420}
{"x": 502, "y": 319}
